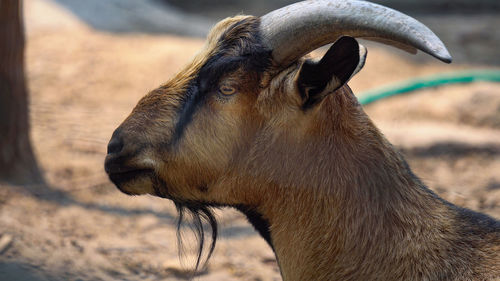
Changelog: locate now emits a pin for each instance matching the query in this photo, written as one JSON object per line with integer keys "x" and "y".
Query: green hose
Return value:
{"x": 427, "y": 82}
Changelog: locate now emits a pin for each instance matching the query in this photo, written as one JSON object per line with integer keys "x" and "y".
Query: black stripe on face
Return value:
{"x": 186, "y": 111}
{"x": 250, "y": 54}
{"x": 205, "y": 83}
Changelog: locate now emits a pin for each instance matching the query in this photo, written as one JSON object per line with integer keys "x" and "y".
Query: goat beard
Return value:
{"x": 200, "y": 214}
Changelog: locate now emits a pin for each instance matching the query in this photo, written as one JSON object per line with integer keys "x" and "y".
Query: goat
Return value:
{"x": 252, "y": 124}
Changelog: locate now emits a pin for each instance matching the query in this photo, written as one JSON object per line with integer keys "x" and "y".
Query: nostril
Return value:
{"x": 115, "y": 145}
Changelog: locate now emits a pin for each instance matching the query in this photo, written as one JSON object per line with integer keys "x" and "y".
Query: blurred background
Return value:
{"x": 87, "y": 63}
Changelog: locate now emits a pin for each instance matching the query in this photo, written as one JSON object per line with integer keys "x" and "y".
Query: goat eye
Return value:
{"x": 227, "y": 90}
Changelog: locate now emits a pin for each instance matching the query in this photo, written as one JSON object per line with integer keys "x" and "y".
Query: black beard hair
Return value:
{"x": 200, "y": 214}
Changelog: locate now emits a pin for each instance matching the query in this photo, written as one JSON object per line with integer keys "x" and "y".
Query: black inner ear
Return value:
{"x": 340, "y": 62}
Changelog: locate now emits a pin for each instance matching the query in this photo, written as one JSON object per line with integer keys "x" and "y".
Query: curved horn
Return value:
{"x": 297, "y": 29}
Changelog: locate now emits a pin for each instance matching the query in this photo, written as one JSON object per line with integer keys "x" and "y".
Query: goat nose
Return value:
{"x": 115, "y": 145}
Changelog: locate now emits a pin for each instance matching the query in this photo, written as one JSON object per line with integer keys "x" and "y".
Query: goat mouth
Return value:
{"x": 121, "y": 177}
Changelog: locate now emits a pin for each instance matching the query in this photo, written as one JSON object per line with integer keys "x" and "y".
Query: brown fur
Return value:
{"x": 340, "y": 201}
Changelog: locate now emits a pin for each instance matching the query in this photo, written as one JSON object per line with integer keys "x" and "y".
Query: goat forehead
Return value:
{"x": 230, "y": 29}
{"x": 232, "y": 43}
{"x": 214, "y": 44}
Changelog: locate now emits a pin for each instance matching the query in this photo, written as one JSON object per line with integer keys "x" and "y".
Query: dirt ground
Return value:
{"x": 83, "y": 83}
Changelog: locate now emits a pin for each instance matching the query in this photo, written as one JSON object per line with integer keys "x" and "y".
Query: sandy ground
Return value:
{"x": 83, "y": 83}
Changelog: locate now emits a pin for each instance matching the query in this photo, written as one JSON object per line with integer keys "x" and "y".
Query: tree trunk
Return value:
{"x": 17, "y": 161}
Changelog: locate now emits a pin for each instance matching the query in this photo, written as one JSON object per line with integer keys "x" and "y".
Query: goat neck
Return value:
{"x": 337, "y": 188}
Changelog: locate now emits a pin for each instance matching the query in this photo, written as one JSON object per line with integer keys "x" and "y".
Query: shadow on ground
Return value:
{"x": 21, "y": 272}
{"x": 130, "y": 16}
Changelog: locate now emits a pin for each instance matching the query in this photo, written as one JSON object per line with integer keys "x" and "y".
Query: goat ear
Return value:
{"x": 317, "y": 79}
